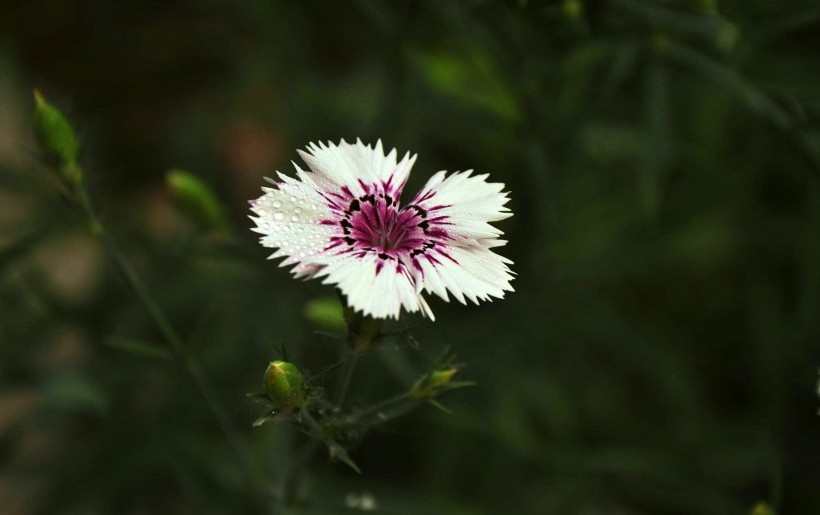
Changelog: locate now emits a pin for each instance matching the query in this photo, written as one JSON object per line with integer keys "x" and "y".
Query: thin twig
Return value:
{"x": 380, "y": 406}
{"x": 294, "y": 480}
{"x": 344, "y": 384}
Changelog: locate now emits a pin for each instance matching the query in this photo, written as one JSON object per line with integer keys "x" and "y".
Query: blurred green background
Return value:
{"x": 659, "y": 354}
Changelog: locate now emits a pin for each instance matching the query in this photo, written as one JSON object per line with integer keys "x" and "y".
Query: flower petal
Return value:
{"x": 289, "y": 218}
{"x": 377, "y": 288}
{"x": 464, "y": 205}
{"x": 474, "y": 272}
{"x": 355, "y": 165}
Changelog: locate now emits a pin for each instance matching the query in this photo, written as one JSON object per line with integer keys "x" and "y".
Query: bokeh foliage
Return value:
{"x": 659, "y": 354}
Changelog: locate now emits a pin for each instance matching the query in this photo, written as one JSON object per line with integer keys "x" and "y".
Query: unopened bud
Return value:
{"x": 727, "y": 37}
{"x": 195, "y": 200}
{"x": 762, "y": 508}
{"x": 284, "y": 385}
{"x": 573, "y": 8}
{"x": 55, "y": 137}
{"x": 432, "y": 384}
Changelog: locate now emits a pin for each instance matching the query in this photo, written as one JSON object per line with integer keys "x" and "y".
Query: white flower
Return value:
{"x": 342, "y": 221}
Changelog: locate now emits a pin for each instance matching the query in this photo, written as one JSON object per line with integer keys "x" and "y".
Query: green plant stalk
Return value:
{"x": 294, "y": 479}
{"x": 387, "y": 404}
{"x": 344, "y": 384}
{"x": 185, "y": 360}
{"x": 394, "y": 408}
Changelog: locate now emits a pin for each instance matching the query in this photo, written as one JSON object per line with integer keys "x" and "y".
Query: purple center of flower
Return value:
{"x": 375, "y": 223}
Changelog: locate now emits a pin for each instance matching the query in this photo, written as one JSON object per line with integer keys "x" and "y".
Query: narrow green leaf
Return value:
{"x": 455, "y": 385}
{"x": 75, "y": 393}
{"x": 658, "y": 137}
{"x": 337, "y": 452}
{"x": 333, "y": 336}
{"x": 471, "y": 76}
{"x": 264, "y": 419}
{"x": 140, "y": 348}
{"x": 259, "y": 397}
{"x": 719, "y": 73}
{"x": 436, "y": 404}
{"x": 673, "y": 20}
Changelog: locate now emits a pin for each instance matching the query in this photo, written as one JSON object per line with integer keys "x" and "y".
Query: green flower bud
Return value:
{"x": 762, "y": 508}
{"x": 195, "y": 200}
{"x": 727, "y": 37}
{"x": 432, "y": 384}
{"x": 284, "y": 385}
{"x": 573, "y": 8}
{"x": 56, "y": 140}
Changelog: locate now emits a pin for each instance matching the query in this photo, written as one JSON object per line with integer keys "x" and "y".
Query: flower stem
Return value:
{"x": 294, "y": 480}
{"x": 385, "y": 404}
{"x": 172, "y": 338}
{"x": 344, "y": 383}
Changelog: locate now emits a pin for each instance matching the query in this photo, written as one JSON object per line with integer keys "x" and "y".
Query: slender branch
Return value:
{"x": 172, "y": 338}
{"x": 392, "y": 411}
{"x": 297, "y": 472}
{"x": 344, "y": 384}
{"x": 386, "y": 404}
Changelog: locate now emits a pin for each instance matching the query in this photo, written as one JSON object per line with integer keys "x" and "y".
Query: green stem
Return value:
{"x": 294, "y": 480}
{"x": 393, "y": 411}
{"x": 344, "y": 384}
{"x": 387, "y": 404}
{"x": 185, "y": 360}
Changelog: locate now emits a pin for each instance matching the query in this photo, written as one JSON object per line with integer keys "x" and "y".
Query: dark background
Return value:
{"x": 659, "y": 354}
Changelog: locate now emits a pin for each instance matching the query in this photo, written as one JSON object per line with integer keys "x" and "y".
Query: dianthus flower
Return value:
{"x": 343, "y": 221}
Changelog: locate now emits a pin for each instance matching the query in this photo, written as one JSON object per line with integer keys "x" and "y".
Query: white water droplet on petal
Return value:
{"x": 294, "y": 218}
{"x": 293, "y": 199}
{"x": 279, "y": 216}
{"x": 297, "y": 210}
{"x": 277, "y": 204}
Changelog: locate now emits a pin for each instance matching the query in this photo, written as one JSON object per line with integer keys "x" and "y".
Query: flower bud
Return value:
{"x": 573, "y": 9}
{"x": 195, "y": 200}
{"x": 432, "y": 384}
{"x": 55, "y": 137}
{"x": 762, "y": 508}
{"x": 284, "y": 385}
